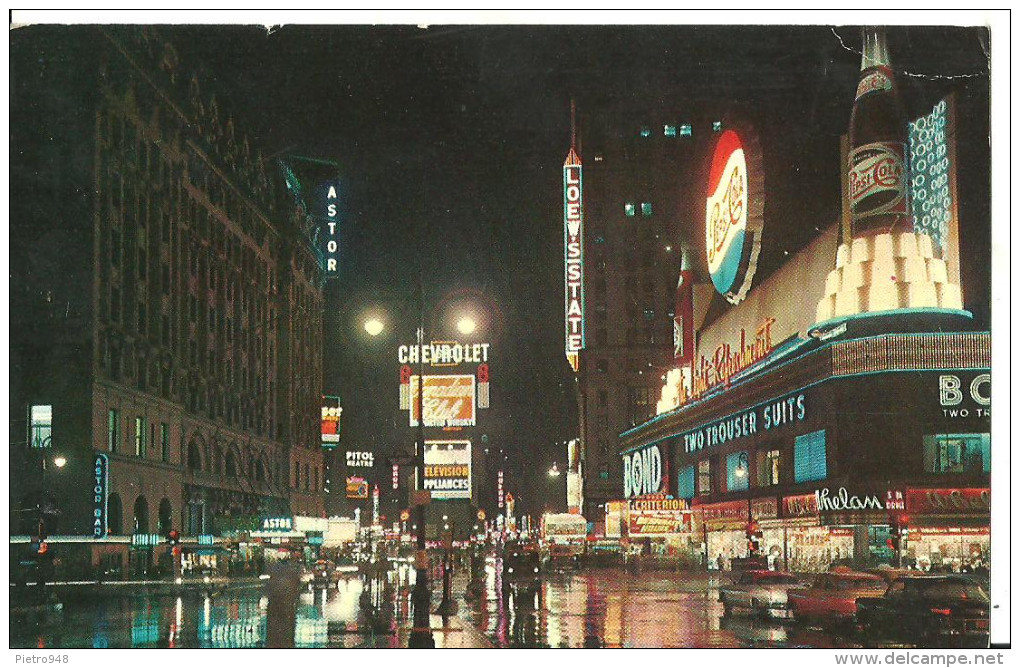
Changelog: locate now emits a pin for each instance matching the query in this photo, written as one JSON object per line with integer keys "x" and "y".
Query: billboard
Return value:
{"x": 575, "y": 493}
{"x": 448, "y": 469}
{"x": 683, "y": 319}
{"x": 447, "y": 401}
{"x": 328, "y": 198}
{"x": 733, "y": 221}
{"x": 357, "y": 487}
{"x": 331, "y": 412}
{"x": 644, "y": 472}
{"x": 658, "y": 522}
{"x": 933, "y": 201}
{"x": 573, "y": 257}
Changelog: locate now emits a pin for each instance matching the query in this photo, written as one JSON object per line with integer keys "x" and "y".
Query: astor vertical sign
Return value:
{"x": 100, "y": 495}
{"x": 573, "y": 257}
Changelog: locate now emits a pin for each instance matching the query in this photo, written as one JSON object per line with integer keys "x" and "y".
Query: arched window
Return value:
{"x": 260, "y": 471}
{"x": 165, "y": 517}
{"x": 141, "y": 515}
{"x": 114, "y": 514}
{"x": 194, "y": 457}
{"x": 231, "y": 465}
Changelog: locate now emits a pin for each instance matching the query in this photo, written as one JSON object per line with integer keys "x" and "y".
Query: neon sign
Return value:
{"x": 448, "y": 469}
{"x": 573, "y": 257}
{"x": 931, "y": 195}
{"x": 732, "y": 235}
{"x": 100, "y": 496}
{"x": 331, "y": 412}
{"x": 447, "y": 401}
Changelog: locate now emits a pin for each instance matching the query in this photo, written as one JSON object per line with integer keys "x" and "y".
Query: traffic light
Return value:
{"x": 754, "y": 536}
{"x": 173, "y": 537}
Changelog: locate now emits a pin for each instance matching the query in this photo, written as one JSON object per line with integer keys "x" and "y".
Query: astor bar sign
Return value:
{"x": 100, "y": 495}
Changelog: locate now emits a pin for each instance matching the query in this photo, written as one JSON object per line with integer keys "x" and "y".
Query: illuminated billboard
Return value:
{"x": 100, "y": 495}
{"x": 932, "y": 140}
{"x": 573, "y": 257}
{"x": 448, "y": 469}
{"x": 683, "y": 319}
{"x": 733, "y": 221}
{"x": 331, "y": 412}
{"x": 329, "y": 199}
{"x": 357, "y": 487}
{"x": 359, "y": 459}
{"x": 447, "y": 401}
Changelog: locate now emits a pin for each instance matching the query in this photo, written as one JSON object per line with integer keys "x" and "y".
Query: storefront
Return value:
{"x": 948, "y": 528}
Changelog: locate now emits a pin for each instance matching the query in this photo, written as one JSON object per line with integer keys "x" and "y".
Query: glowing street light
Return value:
{"x": 60, "y": 461}
{"x": 554, "y": 471}
{"x": 466, "y": 325}
{"x": 374, "y": 326}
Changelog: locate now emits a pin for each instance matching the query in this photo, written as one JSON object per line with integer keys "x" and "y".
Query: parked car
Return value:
{"x": 891, "y": 574}
{"x": 564, "y": 556}
{"x": 762, "y": 593}
{"x": 931, "y": 610}
{"x": 832, "y": 597}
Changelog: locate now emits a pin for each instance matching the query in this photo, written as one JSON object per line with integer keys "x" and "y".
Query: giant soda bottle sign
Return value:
{"x": 876, "y": 166}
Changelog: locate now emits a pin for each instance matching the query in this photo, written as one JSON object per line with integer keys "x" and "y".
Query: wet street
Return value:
{"x": 607, "y": 607}
{"x": 614, "y": 608}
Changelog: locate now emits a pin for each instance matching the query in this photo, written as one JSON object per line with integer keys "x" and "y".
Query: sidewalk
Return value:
{"x": 455, "y": 634}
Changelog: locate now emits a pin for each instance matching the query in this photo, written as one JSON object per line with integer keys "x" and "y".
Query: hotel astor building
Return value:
{"x": 166, "y": 308}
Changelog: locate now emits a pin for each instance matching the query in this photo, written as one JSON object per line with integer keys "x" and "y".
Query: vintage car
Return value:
{"x": 832, "y": 597}
{"x": 522, "y": 568}
{"x": 760, "y": 592}
{"x": 930, "y": 610}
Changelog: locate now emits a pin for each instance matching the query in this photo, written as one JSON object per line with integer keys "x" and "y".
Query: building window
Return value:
{"x": 768, "y": 468}
{"x": 164, "y": 441}
{"x": 669, "y": 130}
{"x": 629, "y": 209}
{"x": 646, "y": 208}
{"x": 957, "y": 453}
{"x": 646, "y": 131}
{"x": 716, "y": 126}
{"x": 112, "y": 430}
{"x": 737, "y": 472}
{"x": 704, "y": 477}
{"x": 685, "y": 130}
{"x": 140, "y": 436}
{"x": 809, "y": 457}
{"x": 40, "y": 426}
{"x": 642, "y": 403}
{"x": 685, "y": 483}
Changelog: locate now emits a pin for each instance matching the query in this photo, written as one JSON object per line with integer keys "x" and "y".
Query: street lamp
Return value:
{"x": 554, "y": 472}
{"x": 743, "y": 471}
{"x": 60, "y": 461}
{"x": 374, "y": 326}
{"x": 466, "y": 325}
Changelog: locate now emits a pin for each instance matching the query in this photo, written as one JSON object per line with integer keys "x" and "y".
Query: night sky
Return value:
{"x": 451, "y": 141}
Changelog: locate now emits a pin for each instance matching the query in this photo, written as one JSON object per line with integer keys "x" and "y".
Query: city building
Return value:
{"x": 637, "y": 210}
{"x": 166, "y": 308}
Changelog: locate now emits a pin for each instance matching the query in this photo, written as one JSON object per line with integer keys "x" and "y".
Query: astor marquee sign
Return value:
{"x": 573, "y": 258}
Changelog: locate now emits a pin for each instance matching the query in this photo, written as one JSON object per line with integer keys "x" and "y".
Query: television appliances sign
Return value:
{"x": 573, "y": 258}
{"x": 448, "y": 469}
{"x": 732, "y": 228}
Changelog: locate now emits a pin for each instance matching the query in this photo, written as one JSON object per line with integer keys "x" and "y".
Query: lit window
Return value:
{"x": 140, "y": 436}
{"x": 112, "y": 430}
{"x": 40, "y": 426}
{"x": 737, "y": 473}
{"x": 669, "y": 130}
{"x": 600, "y": 240}
{"x": 957, "y": 453}
{"x": 646, "y": 208}
{"x": 685, "y": 483}
{"x": 685, "y": 130}
{"x": 716, "y": 126}
{"x": 809, "y": 457}
{"x": 646, "y": 132}
{"x": 704, "y": 477}
{"x": 629, "y": 209}
{"x": 768, "y": 468}
{"x": 649, "y": 314}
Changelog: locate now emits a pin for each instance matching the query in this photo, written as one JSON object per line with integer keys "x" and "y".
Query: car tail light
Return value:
{"x": 942, "y": 611}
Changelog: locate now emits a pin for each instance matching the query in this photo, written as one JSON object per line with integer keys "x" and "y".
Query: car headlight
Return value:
{"x": 510, "y": 570}
{"x": 536, "y": 569}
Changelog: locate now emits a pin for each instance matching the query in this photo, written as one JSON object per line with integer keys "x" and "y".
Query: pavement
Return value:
{"x": 450, "y": 633}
